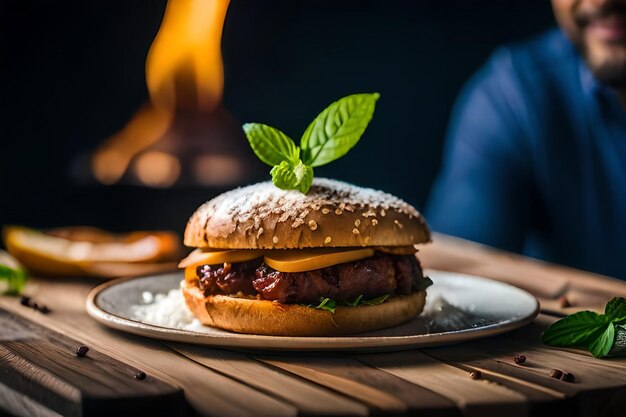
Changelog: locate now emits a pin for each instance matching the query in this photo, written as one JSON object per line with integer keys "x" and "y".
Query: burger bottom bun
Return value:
{"x": 253, "y": 316}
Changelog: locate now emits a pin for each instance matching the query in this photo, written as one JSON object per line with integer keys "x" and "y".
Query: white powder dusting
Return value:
{"x": 245, "y": 204}
{"x": 166, "y": 310}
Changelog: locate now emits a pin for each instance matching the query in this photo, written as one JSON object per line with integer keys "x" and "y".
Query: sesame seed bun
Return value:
{"x": 332, "y": 214}
{"x": 244, "y": 315}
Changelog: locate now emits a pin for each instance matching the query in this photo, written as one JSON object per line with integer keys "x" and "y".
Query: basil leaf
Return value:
{"x": 337, "y": 129}
{"x": 376, "y": 301}
{"x": 12, "y": 281}
{"x": 270, "y": 144}
{"x": 579, "y": 329}
{"x": 356, "y": 301}
{"x": 602, "y": 345}
{"x": 615, "y": 310}
{"x": 288, "y": 177}
{"x": 327, "y": 304}
{"x": 425, "y": 283}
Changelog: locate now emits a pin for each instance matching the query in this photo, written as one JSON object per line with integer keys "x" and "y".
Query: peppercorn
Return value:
{"x": 555, "y": 373}
{"x": 519, "y": 359}
{"x": 475, "y": 374}
{"x": 81, "y": 351}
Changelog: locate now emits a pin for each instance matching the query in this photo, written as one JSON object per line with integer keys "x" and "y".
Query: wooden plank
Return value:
{"x": 479, "y": 397}
{"x": 18, "y": 404}
{"x": 43, "y": 364}
{"x": 384, "y": 393}
{"x": 208, "y": 392}
{"x": 310, "y": 399}
{"x": 540, "y": 278}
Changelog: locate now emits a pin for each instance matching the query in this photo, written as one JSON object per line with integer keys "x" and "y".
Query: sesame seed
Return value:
{"x": 355, "y": 231}
{"x": 327, "y": 240}
{"x": 374, "y": 222}
{"x": 275, "y": 239}
{"x": 398, "y": 223}
{"x": 369, "y": 213}
{"x": 357, "y": 222}
{"x": 382, "y": 212}
{"x": 312, "y": 224}
{"x": 338, "y": 211}
{"x": 342, "y": 205}
{"x": 259, "y": 232}
{"x": 325, "y": 210}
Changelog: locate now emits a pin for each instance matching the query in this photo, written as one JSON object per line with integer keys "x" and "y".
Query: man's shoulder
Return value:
{"x": 540, "y": 58}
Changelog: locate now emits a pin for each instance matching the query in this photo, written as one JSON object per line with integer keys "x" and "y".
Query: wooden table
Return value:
{"x": 40, "y": 374}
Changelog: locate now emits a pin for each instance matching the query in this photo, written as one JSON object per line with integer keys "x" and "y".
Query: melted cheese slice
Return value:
{"x": 300, "y": 260}
{"x": 216, "y": 257}
{"x": 288, "y": 260}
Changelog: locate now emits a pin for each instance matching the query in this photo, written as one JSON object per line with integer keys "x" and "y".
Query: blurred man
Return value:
{"x": 535, "y": 159}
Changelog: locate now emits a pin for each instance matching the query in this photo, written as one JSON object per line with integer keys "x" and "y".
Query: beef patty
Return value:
{"x": 370, "y": 277}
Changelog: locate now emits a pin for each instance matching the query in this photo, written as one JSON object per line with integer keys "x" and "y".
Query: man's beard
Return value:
{"x": 611, "y": 72}
{"x": 612, "y": 69}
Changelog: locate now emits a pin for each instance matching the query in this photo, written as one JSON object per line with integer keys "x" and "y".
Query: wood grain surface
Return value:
{"x": 43, "y": 364}
{"x": 427, "y": 382}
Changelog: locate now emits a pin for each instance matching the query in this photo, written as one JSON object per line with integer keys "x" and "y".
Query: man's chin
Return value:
{"x": 607, "y": 63}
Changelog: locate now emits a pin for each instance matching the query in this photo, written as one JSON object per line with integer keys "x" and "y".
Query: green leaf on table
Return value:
{"x": 615, "y": 310}
{"x": 579, "y": 329}
{"x": 601, "y": 346}
{"x": 12, "y": 280}
{"x": 586, "y": 329}
{"x": 270, "y": 144}
{"x": 337, "y": 129}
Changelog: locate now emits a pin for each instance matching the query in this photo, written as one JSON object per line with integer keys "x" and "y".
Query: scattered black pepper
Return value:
{"x": 476, "y": 374}
{"x": 568, "y": 377}
{"x": 26, "y": 302}
{"x": 564, "y": 302}
{"x": 140, "y": 376}
{"x": 81, "y": 351}
{"x": 519, "y": 359}
{"x": 43, "y": 309}
{"x": 555, "y": 373}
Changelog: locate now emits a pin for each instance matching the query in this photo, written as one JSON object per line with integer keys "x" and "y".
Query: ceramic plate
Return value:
{"x": 458, "y": 308}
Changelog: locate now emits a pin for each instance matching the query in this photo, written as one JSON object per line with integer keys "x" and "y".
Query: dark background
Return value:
{"x": 72, "y": 73}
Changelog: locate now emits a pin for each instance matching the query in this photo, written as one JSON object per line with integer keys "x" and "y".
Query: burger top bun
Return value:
{"x": 332, "y": 214}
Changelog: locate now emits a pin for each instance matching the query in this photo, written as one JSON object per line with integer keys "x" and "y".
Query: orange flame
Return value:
{"x": 184, "y": 67}
{"x": 184, "y": 71}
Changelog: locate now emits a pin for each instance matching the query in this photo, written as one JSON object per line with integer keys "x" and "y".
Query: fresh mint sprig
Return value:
{"x": 335, "y": 131}
{"x": 586, "y": 329}
{"x": 12, "y": 275}
{"x": 331, "y": 305}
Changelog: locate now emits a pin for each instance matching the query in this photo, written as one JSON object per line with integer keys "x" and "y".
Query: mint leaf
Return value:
{"x": 602, "y": 345}
{"x": 289, "y": 177}
{"x": 376, "y": 301}
{"x": 327, "y": 304}
{"x": 12, "y": 280}
{"x": 425, "y": 283}
{"x": 270, "y": 144}
{"x": 356, "y": 301}
{"x": 615, "y": 310}
{"x": 337, "y": 129}
{"x": 331, "y": 305}
{"x": 579, "y": 329}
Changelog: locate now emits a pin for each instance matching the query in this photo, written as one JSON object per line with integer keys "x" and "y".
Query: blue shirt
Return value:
{"x": 535, "y": 160}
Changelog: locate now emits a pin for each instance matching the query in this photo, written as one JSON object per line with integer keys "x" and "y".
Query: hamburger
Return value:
{"x": 338, "y": 260}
